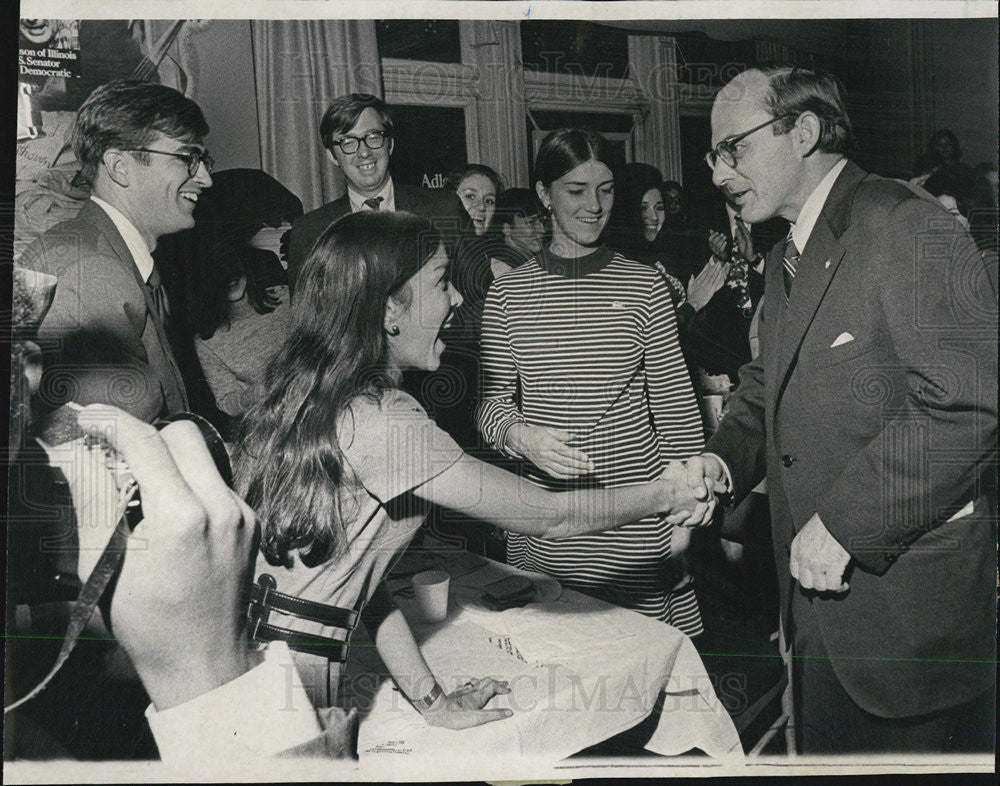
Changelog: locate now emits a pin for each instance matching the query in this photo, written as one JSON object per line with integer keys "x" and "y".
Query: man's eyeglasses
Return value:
{"x": 349, "y": 144}
{"x": 726, "y": 149}
{"x": 193, "y": 159}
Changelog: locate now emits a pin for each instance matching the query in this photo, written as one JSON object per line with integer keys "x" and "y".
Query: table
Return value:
{"x": 581, "y": 670}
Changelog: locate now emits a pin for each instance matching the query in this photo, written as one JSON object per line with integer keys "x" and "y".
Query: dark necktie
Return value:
{"x": 790, "y": 264}
{"x": 159, "y": 296}
{"x": 375, "y": 203}
{"x": 742, "y": 232}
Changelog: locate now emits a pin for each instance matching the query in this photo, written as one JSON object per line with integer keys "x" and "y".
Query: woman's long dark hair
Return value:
{"x": 203, "y": 262}
{"x": 289, "y": 465}
{"x": 221, "y": 261}
{"x": 625, "y": 230}
{"x": 454, "y": 180}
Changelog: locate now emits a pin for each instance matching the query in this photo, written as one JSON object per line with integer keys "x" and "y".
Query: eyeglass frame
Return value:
{"x": 713, "y": 155}
{"x": 194, "y": 158}
{"x": 379, "y": 133}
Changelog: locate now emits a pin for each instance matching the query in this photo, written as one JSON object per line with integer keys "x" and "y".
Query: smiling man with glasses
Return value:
{"x": 872, "y": 411}
{"x": 194, "y": 158}
{"x": 107, "y": 334}
{"x": 357, "y": 133}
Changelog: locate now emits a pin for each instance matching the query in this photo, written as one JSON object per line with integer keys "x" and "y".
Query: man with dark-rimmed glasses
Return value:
{"x": 106, "y": 336}
{"x": 872, "y": 411}
{"x": 357, "y": 133}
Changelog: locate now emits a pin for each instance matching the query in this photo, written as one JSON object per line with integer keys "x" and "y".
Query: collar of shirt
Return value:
{"x": 133, "y": 240}
{"x": 387, "y": 193}
{"x": 803, "y": 227}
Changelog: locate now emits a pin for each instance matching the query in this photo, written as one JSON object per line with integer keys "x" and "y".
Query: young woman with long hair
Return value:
{"x": 638, "y": 228}
{"x": 477, "y": 186}
{"x": 341, "y": 465}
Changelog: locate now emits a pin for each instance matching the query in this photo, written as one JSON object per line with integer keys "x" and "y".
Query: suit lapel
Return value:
{"x": 338, "y": 207}
{"x": 102, "y": 221}
{"x": 407, "y": 199}
{"x": 92, "y": 213}
{"x": 175, "y": 393}
{"x": 817, "y": 266}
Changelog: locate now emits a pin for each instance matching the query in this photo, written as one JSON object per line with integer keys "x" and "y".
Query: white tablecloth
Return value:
{"x": 581, "y": 670}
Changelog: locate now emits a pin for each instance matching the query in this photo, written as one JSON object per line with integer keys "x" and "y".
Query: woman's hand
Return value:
{"x": 546, "y": 448}
{"x": 718, "y": 243}
{"x": 702, "y": 287}
{"x": 463, "y": 708}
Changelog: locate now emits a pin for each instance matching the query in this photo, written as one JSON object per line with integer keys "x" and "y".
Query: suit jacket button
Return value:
{"x": 787, "y": 461}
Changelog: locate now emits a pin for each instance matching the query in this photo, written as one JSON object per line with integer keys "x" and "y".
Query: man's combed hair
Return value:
{"x": 516, "y": 203}
{"x": 127, "y": 114}
{"x": 342, "y": 115}
{"x": 797, "y": 90}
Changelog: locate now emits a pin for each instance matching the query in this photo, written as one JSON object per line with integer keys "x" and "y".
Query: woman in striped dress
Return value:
{"x": 584, "y": 378}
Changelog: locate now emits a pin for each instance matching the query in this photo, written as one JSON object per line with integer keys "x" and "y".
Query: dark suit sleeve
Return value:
{"x": 740, "y": 439}
{"x": 940, "y": 312}
{"x": 299, "y": 242}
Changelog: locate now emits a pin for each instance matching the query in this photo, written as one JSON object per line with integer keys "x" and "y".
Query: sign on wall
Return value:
{"x": 429, "y": 143}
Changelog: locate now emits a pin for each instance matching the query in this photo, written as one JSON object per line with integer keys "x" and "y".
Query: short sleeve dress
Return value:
{"x": 390, "y": 447}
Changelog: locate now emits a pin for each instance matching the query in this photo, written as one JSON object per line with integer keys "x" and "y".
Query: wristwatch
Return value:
{"x": 424, "y": 703}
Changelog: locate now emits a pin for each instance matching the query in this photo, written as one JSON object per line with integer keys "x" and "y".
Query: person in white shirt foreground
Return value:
{"x": 177, "y": 607}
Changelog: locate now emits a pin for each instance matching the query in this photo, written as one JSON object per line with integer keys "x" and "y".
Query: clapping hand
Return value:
{"x": 718, "y": 243}
{"x": 702, "y": 287}
{"x": 463, "y": 707}
{"x": 548, "y": 450}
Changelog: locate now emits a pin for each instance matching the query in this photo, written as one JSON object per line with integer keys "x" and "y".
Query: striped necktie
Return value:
{"x": 159, "y": 295}
{"x": 375, "y": 203}
{"x": 790, "y": 264}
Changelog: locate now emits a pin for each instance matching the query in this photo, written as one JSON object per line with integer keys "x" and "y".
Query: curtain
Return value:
{"x": 299, "y": 67}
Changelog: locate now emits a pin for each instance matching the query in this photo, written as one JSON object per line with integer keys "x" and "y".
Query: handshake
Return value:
{"x": 689, "y": 490}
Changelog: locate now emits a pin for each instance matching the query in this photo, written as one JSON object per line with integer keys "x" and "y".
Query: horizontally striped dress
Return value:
{"x": 590, "y": 345}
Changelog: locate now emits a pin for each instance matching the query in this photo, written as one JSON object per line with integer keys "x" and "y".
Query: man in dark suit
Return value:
{"x": 872, "y": 410}
{"x": 106, "y": 335}
{"x": 356, "y": 131}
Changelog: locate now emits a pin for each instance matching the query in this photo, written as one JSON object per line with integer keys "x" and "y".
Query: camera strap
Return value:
{"x": 128, "y": 513}
{"x": 83, "y": 609}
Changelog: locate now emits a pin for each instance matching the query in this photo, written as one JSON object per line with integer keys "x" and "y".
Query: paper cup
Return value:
{"x": 431, "y": 591}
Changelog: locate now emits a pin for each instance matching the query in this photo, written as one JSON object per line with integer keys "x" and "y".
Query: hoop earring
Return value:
{"x": 393, "y": 331}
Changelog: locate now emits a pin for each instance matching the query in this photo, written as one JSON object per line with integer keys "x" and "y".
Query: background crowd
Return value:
{"x": 558, "y": 352}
